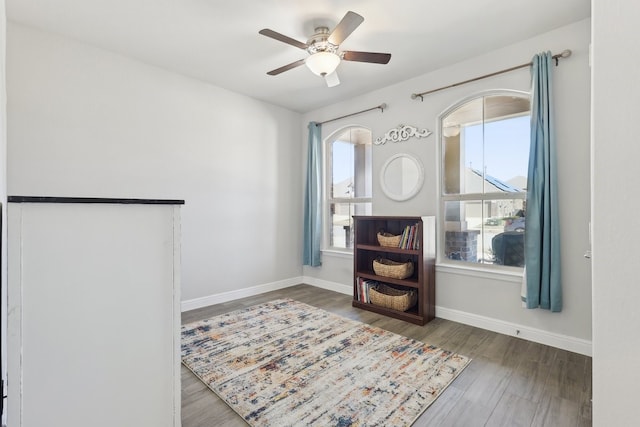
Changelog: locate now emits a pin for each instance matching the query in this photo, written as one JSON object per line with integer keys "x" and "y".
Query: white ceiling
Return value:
{"x": 217, "y": 41}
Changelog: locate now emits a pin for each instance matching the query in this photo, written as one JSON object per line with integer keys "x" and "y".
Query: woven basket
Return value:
{"x": 388, "y": 268}
{"x": 388, "y": 239}
{"x": 395, "y": 299}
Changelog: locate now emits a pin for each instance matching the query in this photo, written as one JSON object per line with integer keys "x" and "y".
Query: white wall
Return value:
{"x": 615, "y": 154}
{"x": 87, "y": 122}
{"x": 492, "y": 299}
{"x": 3, "y": 189}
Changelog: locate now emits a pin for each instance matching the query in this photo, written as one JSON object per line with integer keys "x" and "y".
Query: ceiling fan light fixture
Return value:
{"x": 323, "y": 49}
{"x": 323, "y": 63}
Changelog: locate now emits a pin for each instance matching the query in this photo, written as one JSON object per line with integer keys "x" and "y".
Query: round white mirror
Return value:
{"x": 402, "y": 177}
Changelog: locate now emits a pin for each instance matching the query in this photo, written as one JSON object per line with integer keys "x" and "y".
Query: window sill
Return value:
{"x": 336, "y": 253}
{"x": 511, "y": 275}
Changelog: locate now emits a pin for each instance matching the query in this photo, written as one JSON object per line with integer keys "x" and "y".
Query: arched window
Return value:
{"x": 349, "y": 187}
{"x": 484, "y": 148}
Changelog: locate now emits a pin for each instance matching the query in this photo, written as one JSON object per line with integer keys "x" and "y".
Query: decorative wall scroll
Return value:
{"x": 402, "y": 133}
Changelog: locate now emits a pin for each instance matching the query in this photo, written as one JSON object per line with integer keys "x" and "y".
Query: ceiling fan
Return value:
{"x": 324, "y": 56}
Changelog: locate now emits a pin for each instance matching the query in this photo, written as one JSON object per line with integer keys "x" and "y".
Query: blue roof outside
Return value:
{"x": 497, "y": 183}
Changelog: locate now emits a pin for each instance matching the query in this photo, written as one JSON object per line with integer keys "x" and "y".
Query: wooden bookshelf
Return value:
{"x": 367, "y": 249}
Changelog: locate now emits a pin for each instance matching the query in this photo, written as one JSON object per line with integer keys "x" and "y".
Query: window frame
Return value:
{"x": 327, "y": 200}
{"x": 441, "y": 259}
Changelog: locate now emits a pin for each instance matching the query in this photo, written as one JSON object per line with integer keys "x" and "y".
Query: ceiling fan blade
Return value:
{"x": 282, "y": 38}
{"x": 375, "y": 57}
{"x": 349, "y": 22}
{"x": 332, "y": 79}
{"x": 286, "y": 67}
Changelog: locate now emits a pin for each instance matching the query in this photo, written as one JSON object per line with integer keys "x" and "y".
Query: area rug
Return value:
{"x": 285, "y": 363}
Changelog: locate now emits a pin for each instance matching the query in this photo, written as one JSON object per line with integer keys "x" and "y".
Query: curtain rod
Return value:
{"x": 564, "y": 54}
{"x": 380, "y": 107}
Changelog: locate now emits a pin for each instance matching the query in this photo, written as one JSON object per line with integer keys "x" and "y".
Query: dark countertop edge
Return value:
{"x": 48, "y": 199}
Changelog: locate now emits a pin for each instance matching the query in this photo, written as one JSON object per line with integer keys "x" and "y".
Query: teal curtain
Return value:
{"x": 313, "y": 198}
{"x": 542, "y": 238}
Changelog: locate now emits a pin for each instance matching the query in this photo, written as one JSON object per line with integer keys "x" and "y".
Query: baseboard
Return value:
{"x": 325, "y": 284}
{"x": 564, "y": 342}
{"x": 192, "y": 304}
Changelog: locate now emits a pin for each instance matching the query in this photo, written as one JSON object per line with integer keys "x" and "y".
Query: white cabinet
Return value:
{"x": 93, "y": 312}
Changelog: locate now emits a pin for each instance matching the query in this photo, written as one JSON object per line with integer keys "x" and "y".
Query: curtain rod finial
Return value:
{"x": 565, "y": 53}
{"x": 382, "y": 106}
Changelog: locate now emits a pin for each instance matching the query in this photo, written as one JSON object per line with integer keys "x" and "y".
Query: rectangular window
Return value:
{"x": 349, "y": 185}
{"x": 484, "y": 220}
{"x": 485, "y": 155}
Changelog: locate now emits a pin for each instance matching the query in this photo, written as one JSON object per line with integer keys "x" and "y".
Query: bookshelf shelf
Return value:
{"x": 379, "y": 248}
{"x": 422, "y": 281}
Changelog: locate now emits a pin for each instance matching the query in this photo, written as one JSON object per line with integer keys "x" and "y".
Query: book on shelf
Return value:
{"x": 364, "y": 286}
{"x": 409, "y": 239}
{"x": 405, "y": 237}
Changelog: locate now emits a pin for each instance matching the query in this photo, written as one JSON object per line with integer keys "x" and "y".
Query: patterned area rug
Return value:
{"x": 286, "y": 363}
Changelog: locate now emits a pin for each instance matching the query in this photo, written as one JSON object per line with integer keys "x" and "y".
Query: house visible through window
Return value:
{"x": 349, "y": 187}
{"x": 485, "y": 155}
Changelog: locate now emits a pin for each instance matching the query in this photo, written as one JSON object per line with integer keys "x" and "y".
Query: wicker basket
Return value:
{"x": 396, "y": 270}
{"x": 396, "y": 299}
{"x": 388, "y": 239}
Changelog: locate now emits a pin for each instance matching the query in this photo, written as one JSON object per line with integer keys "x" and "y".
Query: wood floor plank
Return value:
{"x": 490, "y": 384}
{"x": 439, "y": 410}
{"x": 529, "y": 379}
{"x": 467, "y": 413}
{"x": 540, "y": 353}
{"x": 512, "y": 411}
{"x": 556, "y": 411}
{"x": 508, "y": 382}
{"x": 567, "y": 377}
{"x": 478, "y": 340}
{"x": 587, "y": 394}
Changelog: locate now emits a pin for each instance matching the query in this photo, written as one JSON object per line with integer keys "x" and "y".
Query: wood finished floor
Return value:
{"x": 510, "y": 382}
